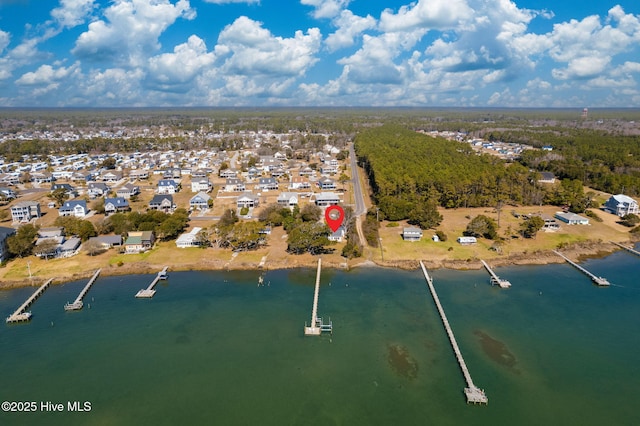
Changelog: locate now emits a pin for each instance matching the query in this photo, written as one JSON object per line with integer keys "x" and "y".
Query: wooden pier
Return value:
{"x": 629, "y": 249}
{"x": 147, "y": 293}
{"x": 317, "y": 326}
{"x": 495, "y": 279}
{"x": 20, "y": 315}
{"x": 597, "y": 280}
{"x": 78, "y": 303}
{"x": 473, "y": 393}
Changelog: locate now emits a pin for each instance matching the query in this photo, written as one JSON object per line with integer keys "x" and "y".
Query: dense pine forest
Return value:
{"x": 412, "y": 173}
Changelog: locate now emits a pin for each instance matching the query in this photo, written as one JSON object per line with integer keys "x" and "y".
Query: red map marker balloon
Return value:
{"x": 334, "y": 215}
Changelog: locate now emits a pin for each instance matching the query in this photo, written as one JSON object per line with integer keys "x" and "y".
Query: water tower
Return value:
{"x": 585, "y": 112}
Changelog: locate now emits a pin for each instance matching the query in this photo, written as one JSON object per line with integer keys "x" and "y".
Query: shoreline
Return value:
{"x": 578, "y": 251}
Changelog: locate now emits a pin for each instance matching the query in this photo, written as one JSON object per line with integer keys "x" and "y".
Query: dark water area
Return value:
{"x": 217, "y": 348}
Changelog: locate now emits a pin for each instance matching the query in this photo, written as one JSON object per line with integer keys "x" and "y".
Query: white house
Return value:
{"x": 288, "y": 199}
{"x": 200, "y": 201}
{"x": 189, "y": 239}
{"x": 621, "y": 205}
{"x": 24, "y": 211}
{"x": 167, "y": 186}
{"x": 338, "y": 235}
{"x": 325, "y": 199}
{"x": 248, "y": 200}
{"x": 467, "y": 240}
{"x": 571, "y": 218}
{"x": 411, "y": 234}
{"x": 201, "y": 185}
{"x": 77, "y": 208}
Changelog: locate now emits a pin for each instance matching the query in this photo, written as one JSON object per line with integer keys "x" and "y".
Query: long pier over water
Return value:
{"x": 473, "y": 393}
{"x": 495, "y": 279}
{"x": 629, "y": 249}
{"x": 603, "y": 282}
{"x": 148, "y": 292}
{"x": 316, "y": 327}
{"x": 20, "y": 315}
{"x": 78, "y": 303}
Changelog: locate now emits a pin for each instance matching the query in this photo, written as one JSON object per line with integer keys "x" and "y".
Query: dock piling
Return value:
{"x": 147, "y": 293}
{"x": 473, "y": 393}
{"x": 602, "y": 282}
{"x": 78, "y": 303}
{"x": 20, "y": 315}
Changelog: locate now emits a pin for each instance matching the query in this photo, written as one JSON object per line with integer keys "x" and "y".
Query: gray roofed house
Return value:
{"x": 621, "y": 205}
{"x": 115, "y": 205}
{"x": 200, "y": 201}
{"x": 77, "y": 208}
{"x": 24, "y": 211}
{"x": 167, "y": 186}
{"x": 266, "y": 184}
{"x": 411, "y": 234}
{"x": 325, "y": 199}
{"x": 162, "y": 202}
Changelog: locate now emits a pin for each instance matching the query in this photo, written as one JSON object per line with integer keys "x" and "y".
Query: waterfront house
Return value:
{"x": 621, "y": 205}
{"x": 411, "y": 234}
{"x": 465, "y": 241}
{"x": 571, "y": 218}
{"x": 189, "y": 239}
{"x": 107, "y": 241}
{"x": 139, "y": 241}
{"x": 337, "y": 235}
{"x": 24, "y": 211}
{"x": 77, "y": 208}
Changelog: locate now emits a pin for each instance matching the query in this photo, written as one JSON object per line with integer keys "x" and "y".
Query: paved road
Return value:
{"x": 360, "y": 207}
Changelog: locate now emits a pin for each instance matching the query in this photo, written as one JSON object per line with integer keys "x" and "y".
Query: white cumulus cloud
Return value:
{"x": 131, "y": 30}
{"x": 349, "y": 26}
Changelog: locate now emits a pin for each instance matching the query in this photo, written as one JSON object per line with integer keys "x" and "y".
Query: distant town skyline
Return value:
{"x": 230, "y": 53}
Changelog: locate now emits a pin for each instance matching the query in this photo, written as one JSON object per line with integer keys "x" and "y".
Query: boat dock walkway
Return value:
{"x": 316, "y": 327}
{"x": 473, "y": 393}
{"x": 495, "y": 279}
{"x": 20, "y": 314}
{"x": 597, "y": 280}
{"x": 629, "y": 249}
{"x": 78, "y": 303}
{"x": 147, "y": 293}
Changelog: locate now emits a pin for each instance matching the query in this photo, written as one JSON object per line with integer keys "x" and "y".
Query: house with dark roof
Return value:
{"x": 266, "y": 184}
{"x": 97, "y": 189}
{"x": 77, "y": 208}
{"x": 162, "y": 202}
{"x": 115, "y": 205}
{"x": 128, "y": 190}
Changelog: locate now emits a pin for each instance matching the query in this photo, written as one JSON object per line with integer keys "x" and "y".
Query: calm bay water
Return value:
{"x": 216, "y": 348}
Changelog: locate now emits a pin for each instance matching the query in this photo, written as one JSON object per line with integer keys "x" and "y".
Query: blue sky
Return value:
{"x": 495, "y": 53}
